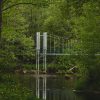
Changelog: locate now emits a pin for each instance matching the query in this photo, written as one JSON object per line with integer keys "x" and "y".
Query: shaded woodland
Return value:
{"x": 77, "y": 19}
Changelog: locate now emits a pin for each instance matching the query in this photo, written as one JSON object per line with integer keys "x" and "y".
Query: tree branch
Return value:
{"x": 4, "y": 1}
{"x": 19, "y": 4}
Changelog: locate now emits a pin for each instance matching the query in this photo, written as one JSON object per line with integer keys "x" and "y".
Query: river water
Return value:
{"x": 28, "y": 87}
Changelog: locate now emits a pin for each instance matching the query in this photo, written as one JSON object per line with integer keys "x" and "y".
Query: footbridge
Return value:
{"x": 55, "y": 45}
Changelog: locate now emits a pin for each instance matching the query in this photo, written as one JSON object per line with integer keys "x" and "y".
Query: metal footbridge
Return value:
{"x": 53, "y": 45}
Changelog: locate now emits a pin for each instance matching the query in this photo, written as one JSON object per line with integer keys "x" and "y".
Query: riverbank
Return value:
{"x": 42, "y": 74}
{"x": 86, "y": 92}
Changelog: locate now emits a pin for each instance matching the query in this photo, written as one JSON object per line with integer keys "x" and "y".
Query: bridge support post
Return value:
{"x": 44, "y": 61}
{"x": 37, "y": 52}
{"x": 44, "y": 51}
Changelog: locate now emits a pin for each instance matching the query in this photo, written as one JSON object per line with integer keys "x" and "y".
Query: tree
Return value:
{"x": 16, "y": 46}
{"x": 0, "y": 18}
{"x": 88, "y": 28}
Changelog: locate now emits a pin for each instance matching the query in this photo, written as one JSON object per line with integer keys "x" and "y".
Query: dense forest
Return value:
{"x": 77, "y": 19}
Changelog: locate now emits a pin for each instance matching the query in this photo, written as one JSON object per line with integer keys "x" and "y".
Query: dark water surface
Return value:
{"x": 28, "y": 87}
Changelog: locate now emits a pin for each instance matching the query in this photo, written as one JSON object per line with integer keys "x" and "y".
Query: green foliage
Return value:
{"x": 88, "y": 29}
{"x": 11, "y": 89}
{"x": 17, "y": 47}
{"x": 76, "y": 19}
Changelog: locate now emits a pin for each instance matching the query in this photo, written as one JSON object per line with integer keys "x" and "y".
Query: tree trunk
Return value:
{"x": 1, "y": 23}
{"x": 0, "y": 18}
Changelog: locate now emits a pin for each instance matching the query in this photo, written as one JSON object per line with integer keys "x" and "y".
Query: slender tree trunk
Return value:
{"x": 0, "y": 18}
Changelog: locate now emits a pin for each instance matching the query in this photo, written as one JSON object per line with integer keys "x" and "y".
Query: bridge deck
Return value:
{"x": 66, "y": 54}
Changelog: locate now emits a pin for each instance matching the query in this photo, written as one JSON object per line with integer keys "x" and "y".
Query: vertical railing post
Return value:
{"x": 50, "y": 44}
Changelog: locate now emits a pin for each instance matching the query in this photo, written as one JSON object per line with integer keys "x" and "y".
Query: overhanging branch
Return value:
{"x": 19, "y": 4}
{"x": 4, "y": 1}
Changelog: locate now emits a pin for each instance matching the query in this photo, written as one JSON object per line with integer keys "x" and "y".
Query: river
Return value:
{"x": 30, "y": 87}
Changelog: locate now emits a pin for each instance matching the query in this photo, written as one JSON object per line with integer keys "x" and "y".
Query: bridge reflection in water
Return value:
{"x": 44, "y": 92}
{"x": 41, "y": 89}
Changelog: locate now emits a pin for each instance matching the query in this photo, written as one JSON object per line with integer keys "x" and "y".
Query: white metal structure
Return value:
{"x": 38, "y": 51}
{"x": 44, "y": 64}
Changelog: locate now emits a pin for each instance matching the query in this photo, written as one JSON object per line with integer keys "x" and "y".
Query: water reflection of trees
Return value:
{"x": 12, "y": 89}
